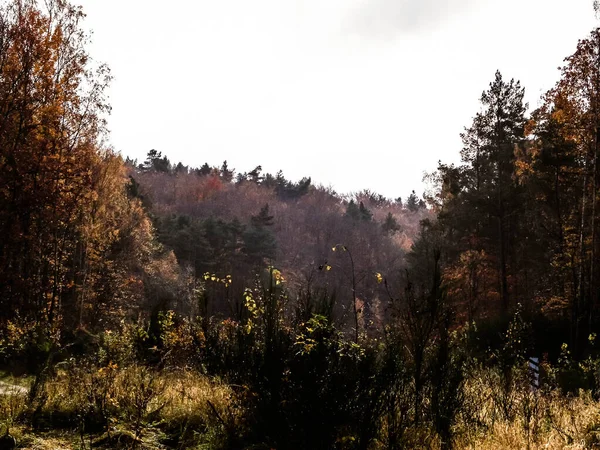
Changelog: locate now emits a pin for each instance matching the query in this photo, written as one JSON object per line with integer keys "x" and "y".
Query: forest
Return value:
{"x": 154, "y": 305}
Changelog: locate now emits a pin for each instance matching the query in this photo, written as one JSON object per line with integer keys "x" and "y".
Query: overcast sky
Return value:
{"x": 355, "y": 93}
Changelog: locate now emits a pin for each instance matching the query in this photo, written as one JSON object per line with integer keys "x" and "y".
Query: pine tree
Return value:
{"x": 390, "y": 225}
{"x": 204, "y": 170}
{"x": 254, "y": 175}
{"x": 480, "y": 199}
{"x": 364, "y": 212}
{"x": 259, "y": 241}
{"x": 263, "y": 219}
{"x": 352, "y": 210}
{"x": 180, "y": 168}
{"x": 226, "y": 173}
{"x": 155, "y": 162}
{"x": 412, "y": 203}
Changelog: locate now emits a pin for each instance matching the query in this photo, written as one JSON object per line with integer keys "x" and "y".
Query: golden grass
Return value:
{"x": 134, "y": 399}
{"x": 188, "y": 397}
{"x": 23, "y": 381}
{"x": 13, "y": 404}
{"x": 201, "y": 411}
{"x": 44, "y": 441}
{"x": 541, "y": 420}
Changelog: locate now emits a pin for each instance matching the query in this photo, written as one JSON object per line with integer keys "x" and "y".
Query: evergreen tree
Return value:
{"x": 352, "y": 210}
{"x": 226, "y": 173}
{"x": 263, "y": 219}
{"x": 390, "y": 225}
{"x": 180, "y": 168}
{"x": 254, "y": 175}
{"x": 287, "y": 190}
{"x": 412, "y": 204}
{"x": 259, "y": 241}
{"x": 269, "y": 181}
{"x": 364, "y": 212}
{"x": 155, "y": 162}
{"x": 204, "y": 170}
{"x": 481, "y": 198}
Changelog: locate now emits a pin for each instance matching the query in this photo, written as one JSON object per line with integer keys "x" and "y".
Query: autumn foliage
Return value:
{"x": 73, "y": 246}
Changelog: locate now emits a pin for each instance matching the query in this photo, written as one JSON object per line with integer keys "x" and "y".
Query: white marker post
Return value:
{"x": 534, "y": 369}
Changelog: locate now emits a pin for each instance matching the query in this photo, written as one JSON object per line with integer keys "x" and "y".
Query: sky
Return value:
{"x": 357, "y": 94}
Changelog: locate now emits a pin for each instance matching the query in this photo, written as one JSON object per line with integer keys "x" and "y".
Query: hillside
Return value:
{"x": 223, "y": 224}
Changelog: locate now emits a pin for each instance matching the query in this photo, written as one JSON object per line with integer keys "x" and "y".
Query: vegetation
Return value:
{"x": 157, "y": 305}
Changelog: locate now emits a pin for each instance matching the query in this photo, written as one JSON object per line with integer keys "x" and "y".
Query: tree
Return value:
{"x": 412, "y": 203}
{"x": 365, "y": 214}
{"x": 51, "y": 107}
{"x": 188, "y": 239}
{"x": 287, "y": 190}
{"x": 358, "y": 212}
{"x": 204, "y": 170}
{"x": 180, "y": 168}
{"x": 259, "y": 242}
{"x": 155, "y": 162}
{"x": 263, "y": 219}
{"x": 480, "y": 199}
{"x": 390, "y": 225}
{"x": 77, "y": 249}
{"x": 254, "y": 175}
{"x": 490, "y": 145}
{"x": 352, "y": 210}
{"x": 561, "y": 167}
{"x": 226, "y": 173}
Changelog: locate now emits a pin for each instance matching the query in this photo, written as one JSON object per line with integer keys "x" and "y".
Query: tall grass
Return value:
{"x": 133, "y": 406}
{"x": 97, "y": 406}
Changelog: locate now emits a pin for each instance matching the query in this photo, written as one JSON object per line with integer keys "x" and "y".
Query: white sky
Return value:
{"x": 355, "y": 93}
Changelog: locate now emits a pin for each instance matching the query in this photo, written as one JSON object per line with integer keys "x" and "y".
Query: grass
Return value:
{"x": 135, "y": 407}
{"x": 9, "y": 378}
{"x": 542, "y": 419}
{"x": 124, "y": 407}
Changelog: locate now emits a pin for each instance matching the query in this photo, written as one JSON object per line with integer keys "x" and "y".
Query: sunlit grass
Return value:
{"x": 178, "y": 405}
{"x": 540, "y": 419}
{"x": 189, "y": 410}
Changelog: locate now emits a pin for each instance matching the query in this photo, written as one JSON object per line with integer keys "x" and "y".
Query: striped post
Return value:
{"x": 534, "y": 370}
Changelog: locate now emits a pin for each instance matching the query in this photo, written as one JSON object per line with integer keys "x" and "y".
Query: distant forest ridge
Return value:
{"x": 219, "y": 222}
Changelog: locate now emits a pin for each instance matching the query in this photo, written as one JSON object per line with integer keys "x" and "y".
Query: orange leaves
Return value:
{"x": 471, "y": 283}
{"x": 69, "y": 231}
{"x": 213, "y": 184}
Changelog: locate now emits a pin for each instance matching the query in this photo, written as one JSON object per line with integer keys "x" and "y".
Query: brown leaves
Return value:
{"x": 69, "y": 236}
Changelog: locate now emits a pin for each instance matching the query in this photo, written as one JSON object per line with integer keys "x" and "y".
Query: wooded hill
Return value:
{"x": 220, "y": 223}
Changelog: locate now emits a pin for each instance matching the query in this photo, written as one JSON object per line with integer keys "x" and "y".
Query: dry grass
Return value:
{"x": 539, "y": 420}
{"x": 44, "y": 441}
{"x": 188, "y": 397}
{"x": 13, "y": 404}
{"x": 176, "y": 406}
{"x": 194, "y": 411}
